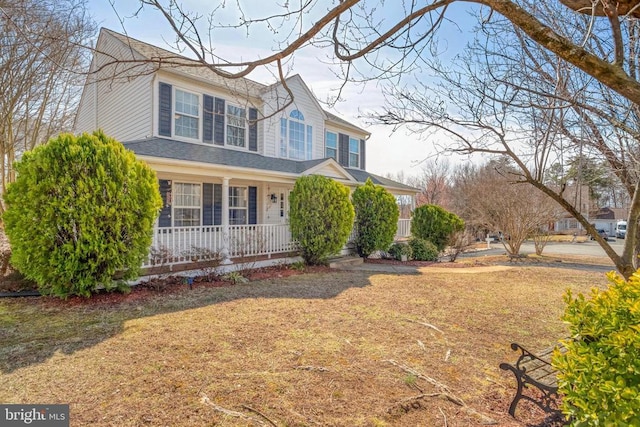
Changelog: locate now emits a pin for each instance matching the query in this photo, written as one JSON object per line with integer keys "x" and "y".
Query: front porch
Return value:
{"x": 183, "y": 245}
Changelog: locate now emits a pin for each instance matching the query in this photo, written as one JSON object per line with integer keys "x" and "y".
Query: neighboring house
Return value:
{"x": 226, "y": 151}
{"x": 579, "y": 197}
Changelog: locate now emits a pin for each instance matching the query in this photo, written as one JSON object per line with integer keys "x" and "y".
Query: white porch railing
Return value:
{"x": 178, "y": 245}
{"x": 404, "y": 228}
{"x": 259, "y": 239}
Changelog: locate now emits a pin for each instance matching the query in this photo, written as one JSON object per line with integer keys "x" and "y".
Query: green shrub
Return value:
{"x": 398, "y": 249}
{"x": 423, "y": 250}
{"x": 81, "y": 209}
{"x": 432, "y": 223}
{"x": 376, "y": 218}
{"x": 321, "y": 217}
{"x": 600, "y": 372}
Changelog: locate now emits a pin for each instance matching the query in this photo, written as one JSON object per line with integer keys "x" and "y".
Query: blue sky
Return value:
{"x": 387, "y": 152}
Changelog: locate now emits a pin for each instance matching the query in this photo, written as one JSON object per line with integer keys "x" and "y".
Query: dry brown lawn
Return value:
{"x": 329, "y": 349}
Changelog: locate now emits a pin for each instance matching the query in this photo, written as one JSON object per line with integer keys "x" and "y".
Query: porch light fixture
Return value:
{"x": 273, "y": 197}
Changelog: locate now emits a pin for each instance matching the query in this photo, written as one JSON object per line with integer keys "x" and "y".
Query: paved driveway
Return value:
{"x": 590, "y": 248}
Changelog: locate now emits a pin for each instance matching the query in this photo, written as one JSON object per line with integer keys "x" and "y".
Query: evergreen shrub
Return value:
{"x": 435, "y": 224}
{"x": 376, "y": 218}
{"x": 82, "y": 208}
{"x": 423, "y": 250}
{"x": 321, "y": 217}
{"x": 398, "y": 249}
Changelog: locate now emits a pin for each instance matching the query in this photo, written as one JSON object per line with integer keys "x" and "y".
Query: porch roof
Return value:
{"x": 172, "y": 149}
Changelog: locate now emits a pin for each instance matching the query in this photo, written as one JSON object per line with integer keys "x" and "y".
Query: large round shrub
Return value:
{"x": 435, "y": 224}
{"x": 376, "y": 218}
{"x": 599, "y": 375}
{"x": 82, "y": 208}
{"x": 320, "y": 216}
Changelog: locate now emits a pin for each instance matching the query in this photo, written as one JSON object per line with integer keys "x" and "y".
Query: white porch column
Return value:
{"x": 225, "y": 222}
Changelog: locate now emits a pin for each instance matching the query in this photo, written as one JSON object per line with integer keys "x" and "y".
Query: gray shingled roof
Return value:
{"x": 171, "y": 149}
{"x": 338, "y": 120}
{"x": 361, "y": 176}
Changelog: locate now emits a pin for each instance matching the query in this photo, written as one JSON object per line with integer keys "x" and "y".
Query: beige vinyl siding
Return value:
{"x": 86, "y": 115}
{"x": 123, "y": 105}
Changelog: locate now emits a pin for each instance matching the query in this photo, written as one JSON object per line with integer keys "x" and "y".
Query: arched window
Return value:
{"x": 296, "y": 137}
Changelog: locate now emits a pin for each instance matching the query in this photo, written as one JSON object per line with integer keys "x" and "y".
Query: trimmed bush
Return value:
{"x": 432, "y": 223}
{"x": 423, "y": 250}
{"x": 376, "y": 218}
{"x": 600, "y": 372}
{"x": 321, "y": 217}
{"x": 398, "y": 249}
{"x": 82, "y": 208}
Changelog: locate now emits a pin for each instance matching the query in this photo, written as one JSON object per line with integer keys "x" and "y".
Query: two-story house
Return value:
{"x": 226, "y": 151}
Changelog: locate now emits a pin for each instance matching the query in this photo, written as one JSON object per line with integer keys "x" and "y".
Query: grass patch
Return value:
{"x": 302, "y": 350}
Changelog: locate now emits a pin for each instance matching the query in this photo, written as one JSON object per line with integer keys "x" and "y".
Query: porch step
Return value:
{"x": 345, "y": 261}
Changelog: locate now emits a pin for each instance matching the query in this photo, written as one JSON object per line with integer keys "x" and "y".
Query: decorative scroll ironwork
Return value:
{"x": 534, "y": 370}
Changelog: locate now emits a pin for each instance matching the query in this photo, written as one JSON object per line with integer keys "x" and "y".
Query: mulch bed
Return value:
{"x": 177, "y": 284}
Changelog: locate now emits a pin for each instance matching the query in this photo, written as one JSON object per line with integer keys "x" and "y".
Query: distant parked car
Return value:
{"x": 603, "y": 233}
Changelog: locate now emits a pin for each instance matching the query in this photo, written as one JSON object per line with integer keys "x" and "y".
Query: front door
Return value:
{"x": 283, "y": 205}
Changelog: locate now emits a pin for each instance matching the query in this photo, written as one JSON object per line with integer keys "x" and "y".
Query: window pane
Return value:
{"x": 295, "y": 114}
{"x": 309, "y": 141}
{"x": 331, "y": 145}
{"x": 237, "y": 216}
{"x": 296, "y": 140}
{"x": 331, "y": 140}
{"x": 186, "y": 195}
{"x": 187, "y": 103}
{"x": 186, "y": 217}
{"x": 354, "y": 160}
{"x": 236, "y": 126}
{"x": 283, "y": 137}
{"x": 187, "y": 114}
{"x": 238, "y": 197}
{"x": 354, "y": 145}
{"x": 187, "y": 126}
{"x": 354, "y": 153}
{"x": 235, "y": 136}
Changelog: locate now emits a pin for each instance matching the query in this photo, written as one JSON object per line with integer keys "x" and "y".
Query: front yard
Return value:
{"x": 309, "y": 350}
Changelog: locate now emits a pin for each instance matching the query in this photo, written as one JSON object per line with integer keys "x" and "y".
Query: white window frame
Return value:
{"x": 326, "y": 146}
{"x": 230, "y": 117}
{"x": 356, "y": 153}
{"x": 178, "y": 204}
{"x": 177, "y": 113}
{"x": 285, "y": 140}
{"x": 244, "y": 200}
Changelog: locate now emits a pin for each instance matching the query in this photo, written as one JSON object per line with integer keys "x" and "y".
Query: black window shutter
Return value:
{"x": 217, "y": 204}
{"x": 207, "y": 119}
{"x": 164, "y": 220}
{"x": 362, "y": 154}
{"x": 218, "y": 122}
{"x": 343, "y": 149}
{"x": 164, "y": 110}
{"x": 253, "y": 205}
{"x": 253, "y": 129}
{"x": 207, "y": 204}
